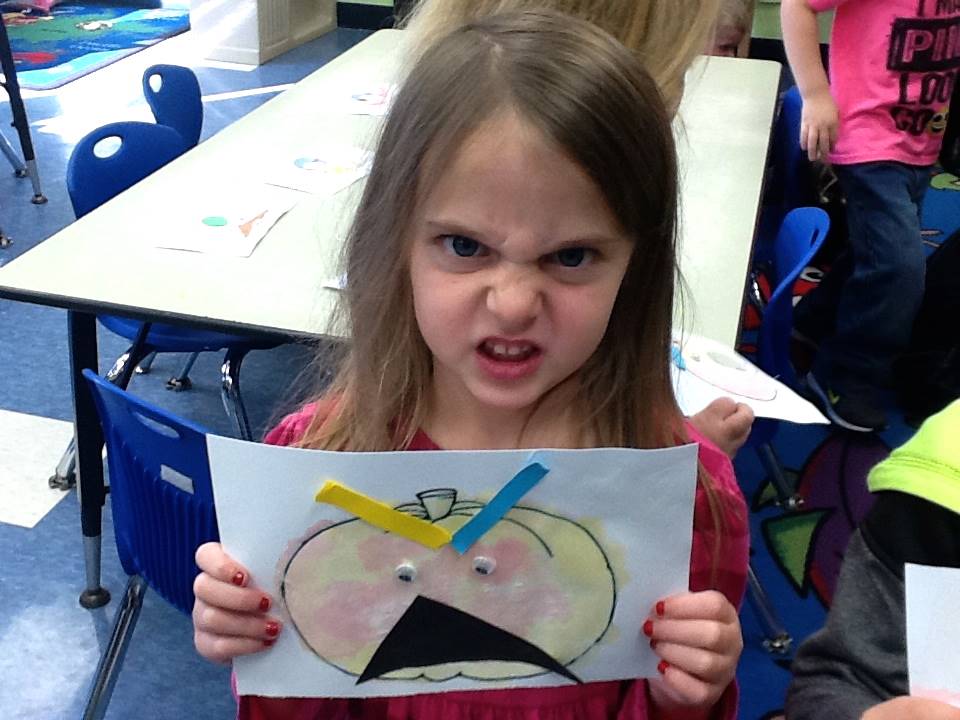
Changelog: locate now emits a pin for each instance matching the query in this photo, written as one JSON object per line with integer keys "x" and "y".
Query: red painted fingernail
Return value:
{"x": 238, "y": 578}
{"x": 648, "y": 628}
{"x": 264, "y": 603}
{"x": 662, "y": 667}
{"x": 273, "y": 628}
{"x": 661, "y": 606}
{"x": 269, "y": 643}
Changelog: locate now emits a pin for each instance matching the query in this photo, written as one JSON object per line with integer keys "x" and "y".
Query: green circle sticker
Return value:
{"x": 215, "y": 221}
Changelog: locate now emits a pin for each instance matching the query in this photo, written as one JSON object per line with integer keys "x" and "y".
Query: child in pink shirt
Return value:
{"x": 880, "y": 122}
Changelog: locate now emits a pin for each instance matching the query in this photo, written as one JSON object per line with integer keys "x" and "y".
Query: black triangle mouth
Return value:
{"x": 432, "y": 633}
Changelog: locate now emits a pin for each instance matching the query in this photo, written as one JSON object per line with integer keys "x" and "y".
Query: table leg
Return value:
{"x": 89, "y": 437}
{"x": 19, "y": 113}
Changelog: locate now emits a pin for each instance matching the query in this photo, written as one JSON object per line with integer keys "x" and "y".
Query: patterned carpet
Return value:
{"x": 51, "y": 49}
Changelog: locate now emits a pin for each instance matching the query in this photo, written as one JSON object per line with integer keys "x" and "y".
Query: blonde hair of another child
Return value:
{"x": 665, "y": 34}
{"x": 593, "y": 99}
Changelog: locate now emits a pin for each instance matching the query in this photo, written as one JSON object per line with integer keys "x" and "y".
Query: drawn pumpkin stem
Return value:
{"x": 438, "y": 503}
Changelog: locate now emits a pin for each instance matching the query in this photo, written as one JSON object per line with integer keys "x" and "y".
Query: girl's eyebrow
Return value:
{"x": 453, "y": 227}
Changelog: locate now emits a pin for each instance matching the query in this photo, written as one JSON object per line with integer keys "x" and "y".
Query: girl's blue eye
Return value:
{"x": 572, "y": 257}
{"x": 462, "y": 246}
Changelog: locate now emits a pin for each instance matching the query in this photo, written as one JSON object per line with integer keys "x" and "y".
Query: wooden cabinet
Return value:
{"x": 255, "y": 31}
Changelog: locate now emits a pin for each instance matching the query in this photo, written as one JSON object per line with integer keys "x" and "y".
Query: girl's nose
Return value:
{"x": 515, "y": 297}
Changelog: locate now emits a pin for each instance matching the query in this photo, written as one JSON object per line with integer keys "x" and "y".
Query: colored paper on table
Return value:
{"x": 229, "y": 223}
{"x": 933, "y": 633}
{"x": 321, "y": 171}
{"x": 704, "y": 370}
{"x": 374, "y": 100}
{"x": 552, "y": 594}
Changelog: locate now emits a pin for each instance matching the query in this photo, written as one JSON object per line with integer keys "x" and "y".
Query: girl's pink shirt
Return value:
{"x": 625, "y": 700}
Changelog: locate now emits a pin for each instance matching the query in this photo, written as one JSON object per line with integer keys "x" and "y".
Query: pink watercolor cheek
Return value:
{"x": 383, "y": 552}
{"x": 513, "y": 559}
{"x": 349, "y": 616}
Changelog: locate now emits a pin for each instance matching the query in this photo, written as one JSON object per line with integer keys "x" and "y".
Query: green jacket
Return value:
{"x": 859, "y": 658}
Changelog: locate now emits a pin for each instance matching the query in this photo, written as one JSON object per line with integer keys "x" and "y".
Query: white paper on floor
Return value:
{"x": 30, "y": 448}
{"x": 704, "y": 370}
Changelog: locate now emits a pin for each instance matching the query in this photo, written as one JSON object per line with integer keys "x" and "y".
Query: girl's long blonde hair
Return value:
{"x": 665, "y": 34}
{"x": 590, "y": 97}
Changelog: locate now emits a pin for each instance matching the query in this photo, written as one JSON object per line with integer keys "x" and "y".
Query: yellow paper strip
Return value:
{"x": 382, "y": 515}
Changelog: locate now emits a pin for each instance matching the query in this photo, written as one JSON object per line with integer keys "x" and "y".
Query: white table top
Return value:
{"x": 107, "y": 260}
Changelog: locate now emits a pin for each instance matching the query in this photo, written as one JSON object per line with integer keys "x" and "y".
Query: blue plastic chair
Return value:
{"x": 163, "y": 510}
{"x": 801, "y": 234}
{"x": 177, "y": 101}
{"x": 789, "y": 183}
{"x": 91, "y": 181}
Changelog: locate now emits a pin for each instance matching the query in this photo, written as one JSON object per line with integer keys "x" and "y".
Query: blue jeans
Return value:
{"x": 864, "y": 308}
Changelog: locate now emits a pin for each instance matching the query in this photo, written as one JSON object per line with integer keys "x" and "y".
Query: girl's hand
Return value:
{"x": 229, "y": 618}
{"x": 915, "y": 708}
{"x": 726, "y": 423}
{"x": 819, "y": 122}
{"x": 697, "y": 636}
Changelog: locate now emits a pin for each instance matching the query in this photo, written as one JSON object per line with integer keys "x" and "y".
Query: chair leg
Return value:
{"x": 145, "y": 365}
{"x": 65, "y": 477}
{"x": 786, "y": 495}
{"x": 777, "y": 639}
{"x": 109, "y": 667}
{"x": 182, "y": 381}
{"x": 230, "y": 391}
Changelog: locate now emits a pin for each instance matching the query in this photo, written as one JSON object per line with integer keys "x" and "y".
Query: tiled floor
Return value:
{"x": 49, "y": 645}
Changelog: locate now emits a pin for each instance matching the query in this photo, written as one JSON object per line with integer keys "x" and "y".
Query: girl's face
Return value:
{"x": 515, "y": 265}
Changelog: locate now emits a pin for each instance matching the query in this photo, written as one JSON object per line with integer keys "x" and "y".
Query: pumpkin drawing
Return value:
{"x": 535, "y": 575}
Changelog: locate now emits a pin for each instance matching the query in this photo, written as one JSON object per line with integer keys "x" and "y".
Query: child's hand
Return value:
{"x": 914, "y": 708}
{"x": 697, "y": 635}
{"x": 819, "y": 122}
{"x": 229, "y": 618}
{"x": 726, "y": 423}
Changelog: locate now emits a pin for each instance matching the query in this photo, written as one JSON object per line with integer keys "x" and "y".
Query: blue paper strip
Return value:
{"x": 500, "y": 505}
{"x": 678, "y": 357}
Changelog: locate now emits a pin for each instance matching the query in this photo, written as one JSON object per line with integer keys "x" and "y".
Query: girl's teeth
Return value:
{"x": 512, "y": 351}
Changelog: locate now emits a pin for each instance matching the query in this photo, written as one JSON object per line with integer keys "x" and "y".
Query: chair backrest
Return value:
{"x": 790, "y": 162}
{"x": 143, "y": 148}
{"x": 160, "y": 490}
{"x": 801, "y": 234}
{"x": 177, "y": 102}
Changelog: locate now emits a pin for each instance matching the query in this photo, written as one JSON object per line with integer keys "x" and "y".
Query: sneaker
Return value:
{"x": 856, "y": 407}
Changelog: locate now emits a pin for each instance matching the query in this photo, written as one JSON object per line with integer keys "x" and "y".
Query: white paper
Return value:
{"x": 711, "y": 370}
{"x": 933, "y": 633}
{"x": 230, "y": 222}
{"x": 636, "y": 505}
{"x": 321, "y": 170}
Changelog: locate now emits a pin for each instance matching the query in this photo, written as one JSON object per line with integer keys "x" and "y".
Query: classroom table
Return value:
{"x": 107, "y": 261}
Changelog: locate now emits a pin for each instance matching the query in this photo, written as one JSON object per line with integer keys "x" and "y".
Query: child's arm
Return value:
{"x": 819, "y": 119}
{"x": 229, "y": 617}
{"x": 726, "y": 423}
{"x": 858, "y": 659}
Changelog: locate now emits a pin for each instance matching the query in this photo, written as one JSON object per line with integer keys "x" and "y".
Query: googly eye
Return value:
{"x": 406, "y": 573}
{"x": 484, "y": 565}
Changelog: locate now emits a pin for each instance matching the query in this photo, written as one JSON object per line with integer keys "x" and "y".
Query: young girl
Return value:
{"x": 511, "y": 275}
{"x": 666, "y": 35}
{"x": 733, "y": 25}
